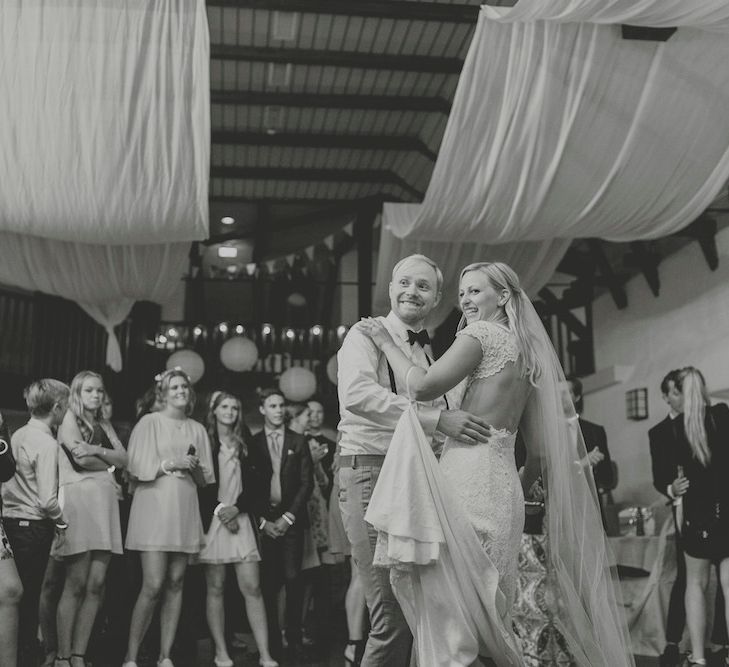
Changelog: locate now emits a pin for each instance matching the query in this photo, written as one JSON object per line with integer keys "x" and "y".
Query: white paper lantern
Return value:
{"x": 332, "y": 369}
{"x": 189, "y": 361}
{"x": 297, "y": 383}
{"x": 239, "y": 354}
{"x": 297, "y": 300}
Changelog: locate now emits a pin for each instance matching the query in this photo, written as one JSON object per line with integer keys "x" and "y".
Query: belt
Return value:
{"x": 355, "y": 460}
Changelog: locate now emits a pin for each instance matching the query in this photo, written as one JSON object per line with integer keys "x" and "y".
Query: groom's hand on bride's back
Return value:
{"x": 463, "y": 426}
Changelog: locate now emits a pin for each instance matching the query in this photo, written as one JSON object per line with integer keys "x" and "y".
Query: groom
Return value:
{"x": 371, "y": 403}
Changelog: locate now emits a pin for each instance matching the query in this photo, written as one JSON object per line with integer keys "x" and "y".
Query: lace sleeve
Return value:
{"x": 497, "y": 345}
{"x": 481, "y": 331}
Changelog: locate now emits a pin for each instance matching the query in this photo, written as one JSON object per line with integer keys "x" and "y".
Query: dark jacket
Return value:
{"x": 297, "y": 477}
{"x": 594, "y": 436}
{"x": 254, "y": 486}
{"x": 663, "y": 440}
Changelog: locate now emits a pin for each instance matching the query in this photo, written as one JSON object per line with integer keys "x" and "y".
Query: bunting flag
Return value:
{"x": 378, "y": 220}
{"x": 270, "y": 265}
{"x": 290, "y": 259}
{"x": 309, "y": 252}
{"x": 329, "y": 242}
{"x": 349, "y": 229}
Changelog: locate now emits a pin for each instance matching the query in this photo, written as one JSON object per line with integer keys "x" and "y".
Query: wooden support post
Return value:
{"x": 363, "y": 228}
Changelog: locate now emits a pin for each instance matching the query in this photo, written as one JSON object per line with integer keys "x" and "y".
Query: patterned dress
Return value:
{"x": 484, "y": 476}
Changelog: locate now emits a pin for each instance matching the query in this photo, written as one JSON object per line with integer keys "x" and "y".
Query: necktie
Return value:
{"x": 276, "y": 444}
{"x": 421, "y": 337}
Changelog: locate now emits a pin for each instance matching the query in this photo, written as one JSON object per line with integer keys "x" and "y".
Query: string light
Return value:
{"x": 341, "y": 330}
{"x": 316, "y": 330}
{"x": 223, "y": 327}
{"x": 239, "y": 329}
{"x": 267, "y": 329}
{"x": 172, "y": 332}
{"x": 227, "y": 220}
{"x": 197, "y": 331}
{"x": 290, "y": 334}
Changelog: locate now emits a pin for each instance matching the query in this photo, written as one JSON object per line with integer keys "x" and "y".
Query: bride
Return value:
{"x": 450, "y": 531}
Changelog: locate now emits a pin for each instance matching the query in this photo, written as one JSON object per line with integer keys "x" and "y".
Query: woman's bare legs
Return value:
{"x": 169, "y": 614}
{"x": 95, "y": 587}
{"x": 215, "y": 609}
{"x": 697, "y": 581}
{"x": 11, "y": 591}
{"x": 249, "y": 584}
{"x": 154, "y": 571}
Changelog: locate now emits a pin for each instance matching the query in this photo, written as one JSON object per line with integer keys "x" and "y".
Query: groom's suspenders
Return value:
{"x": 393, "y": 386}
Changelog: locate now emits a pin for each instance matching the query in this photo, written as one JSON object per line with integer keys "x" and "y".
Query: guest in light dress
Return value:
{"x": 88, "y": 493}
{"x": 169, "y": 457}
{"x": 232, "y": 536}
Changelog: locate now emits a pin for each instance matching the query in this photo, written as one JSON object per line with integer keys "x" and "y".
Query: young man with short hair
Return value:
{"x": 31, "y": 512}
{"x": 283, "y": 458}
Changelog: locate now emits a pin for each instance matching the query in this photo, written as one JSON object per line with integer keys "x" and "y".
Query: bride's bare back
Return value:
{"x": 484, "y": 475}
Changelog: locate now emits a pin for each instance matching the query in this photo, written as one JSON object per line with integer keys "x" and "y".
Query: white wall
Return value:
{"x": 688, "y": 324}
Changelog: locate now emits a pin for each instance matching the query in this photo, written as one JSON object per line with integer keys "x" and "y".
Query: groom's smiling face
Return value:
{"x": 414, "y": 291}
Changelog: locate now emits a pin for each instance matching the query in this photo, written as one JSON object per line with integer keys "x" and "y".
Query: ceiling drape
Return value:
{"x": 106, "y": 140}
{"x": 561, "y": 129}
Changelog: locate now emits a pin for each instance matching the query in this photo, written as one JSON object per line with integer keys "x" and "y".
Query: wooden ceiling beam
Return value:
{"x": 325, "y": 58}
{"x": 613, "y": 281}
{"x": 386, "y": 9}
{"x": 382, "y": 142}
{"x": 324, "y": 101}
{"x": 645, "y": 259}
{"x": 326, "y": 175}
{"x": 299, "y": 201}
{"x": 320, "y": 213}
{"x": 703, "y": 230}
{"x": 554, "y": 305}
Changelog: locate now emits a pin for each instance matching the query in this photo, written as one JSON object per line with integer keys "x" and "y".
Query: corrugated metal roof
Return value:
{"x": 247, "y": 27}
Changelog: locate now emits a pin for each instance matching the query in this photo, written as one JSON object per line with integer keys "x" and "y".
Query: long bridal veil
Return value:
{"x": 446, "y": 584}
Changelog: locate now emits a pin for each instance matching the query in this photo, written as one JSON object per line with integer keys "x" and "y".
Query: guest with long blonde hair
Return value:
{"x": 702, "y": 460}
{"x": 232, "y": 535}
{"x": 91, "y": 452}
{"x": 169, "y": 457}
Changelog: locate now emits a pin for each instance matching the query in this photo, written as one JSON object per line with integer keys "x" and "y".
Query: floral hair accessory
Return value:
{"x": 177, "y": 369}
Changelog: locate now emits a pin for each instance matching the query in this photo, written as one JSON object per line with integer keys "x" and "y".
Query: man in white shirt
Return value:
{"x": 371, "y": 404}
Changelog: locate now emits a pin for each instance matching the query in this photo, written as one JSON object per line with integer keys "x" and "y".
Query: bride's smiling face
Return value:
{"x": 478, "y": 299}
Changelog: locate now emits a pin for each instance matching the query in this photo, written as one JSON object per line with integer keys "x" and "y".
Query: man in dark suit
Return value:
{"x": 667, "y": 481}
{"x": 284, "y": 459}
{"x": 595, "y": 439}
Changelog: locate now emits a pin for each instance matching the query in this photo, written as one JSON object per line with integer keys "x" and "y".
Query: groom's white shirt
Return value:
{"x": 369, "y": 410}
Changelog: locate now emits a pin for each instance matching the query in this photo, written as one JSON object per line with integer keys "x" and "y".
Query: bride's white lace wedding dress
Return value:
{"x": 451, "y": 531}
{"x": 484, "y": 476}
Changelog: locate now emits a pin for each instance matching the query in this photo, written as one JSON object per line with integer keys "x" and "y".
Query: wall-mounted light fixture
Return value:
{"x": 636, "y": 404}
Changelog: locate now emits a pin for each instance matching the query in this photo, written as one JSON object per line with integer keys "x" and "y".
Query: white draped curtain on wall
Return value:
{"x": 106, "y": 141}
{"x": 561, "y": 129}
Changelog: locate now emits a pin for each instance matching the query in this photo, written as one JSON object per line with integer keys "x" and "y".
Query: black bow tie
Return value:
{"x": 421, "y": 337}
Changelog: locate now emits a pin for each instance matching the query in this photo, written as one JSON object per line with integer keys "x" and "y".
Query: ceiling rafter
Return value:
{"x": 325, "y": 175}
{"x": 382, "y": 142}
{"x": 322, "y": 101}
{"x": 327, "y": 58}
{"x": 390, "y": 9}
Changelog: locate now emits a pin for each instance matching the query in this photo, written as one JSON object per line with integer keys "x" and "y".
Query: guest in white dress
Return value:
{"x": 231, "y": 531}
{"x": 169, "y": 457}
{"x": 89, "y": 496}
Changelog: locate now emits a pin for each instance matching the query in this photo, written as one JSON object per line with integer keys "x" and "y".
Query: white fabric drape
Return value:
{"x": 106, "y": 140}
{"x": 535, "y": 262}
{"x": 105, "y": 130}
{"x": 104, "y": 280}
{"x": 561, "y": 129}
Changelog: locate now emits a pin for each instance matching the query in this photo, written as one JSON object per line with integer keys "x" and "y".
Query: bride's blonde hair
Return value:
{"x": 503, "y": 277}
